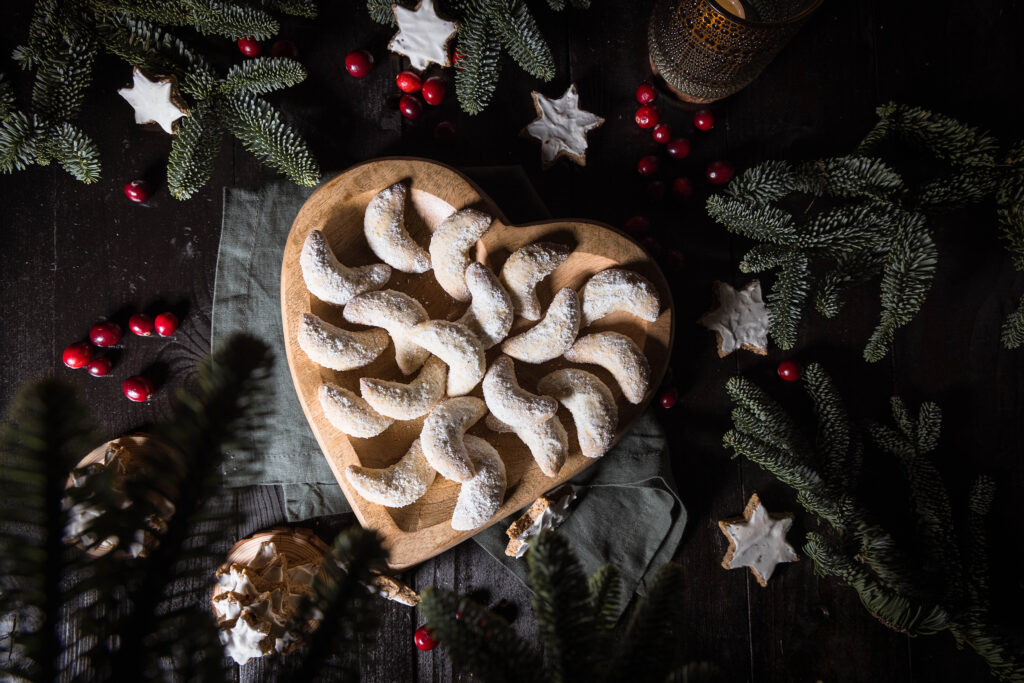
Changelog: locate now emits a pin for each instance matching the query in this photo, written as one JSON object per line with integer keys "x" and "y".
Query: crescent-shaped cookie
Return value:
{"x": 397, "y": 313}
{"x": 384, "y": 226}
{"x": 616, "y": 289}
{"x": 449, "y": 249}
{"x": 509, "y": 402}
{"x": 480, "y": 496}
{"x": 407, "y": 401}
{"x": 349, "y": 413}
{"x": 458, "y": 348}
{"x": 552, "y": 336}
{"x": 489, "y": 315}
{"x": 442, "y": 436}
{"x": 526, "y": 267}
{"x": 396, "y": 486}
{"x": 619, "y": 355}
{"x": 338, "y": 349}
{"x": 547, "y": 441}
{"x": 329, "y": 280}
{"x": 591, "y": 404}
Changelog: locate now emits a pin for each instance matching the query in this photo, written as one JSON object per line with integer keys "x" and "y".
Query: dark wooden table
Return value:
{"x": 73, "y": 253}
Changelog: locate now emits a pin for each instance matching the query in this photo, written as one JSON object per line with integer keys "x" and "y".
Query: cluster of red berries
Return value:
{"x": 432, "y": 90}
{"x": 107, "y": 333}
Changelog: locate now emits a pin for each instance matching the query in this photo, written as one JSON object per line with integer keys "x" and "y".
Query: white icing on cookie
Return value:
{"x": 525, "y": 268}
{"x": 338, "y": 349}
{"x": 422, "y": 35}
{"x": 619, "y": 355}
{"x": 456, "y": 346}
{"x": 757, "y": 540}
{"x": 155, "y": 101}
{"x": 548, "y": 441}
{"x": 509, "y": 402}
{"x": 482, "y": 494}
{"x": 329, "y": 280}
{"x": 449, "y": 249}
{"x": 553, "y": 335}
{"x": 561, "y": 126}
{"x": 740, "y": 319}
{"x": 384, "y": 227}
{"x": 442, "y": 436}
{"x": 591, "y": 404}
{"x": 397, "y": 313}
{"x": 349, "y": 413}
{"x": 616, "y": 289}
{"x": 398, "y": 485}
{"x": 489, "y": 315}
{"x": 407, "y": 401}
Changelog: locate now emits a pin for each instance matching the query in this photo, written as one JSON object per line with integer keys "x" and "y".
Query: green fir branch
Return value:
{"x": 1013, "y": 327}
{"x": 650, "y": 647}
{"x": 20, "y": 138}
{"x": 8, "y": 103}
{"x": 381, "y": 11}
{"x": 263, "y": 75}
{"x": 75, "y": 152}
{"x": 478, "y": 68}
{"x": 518, "y": 32}
{"x": 193, "y": 152}
{"x": 306, "y": 9}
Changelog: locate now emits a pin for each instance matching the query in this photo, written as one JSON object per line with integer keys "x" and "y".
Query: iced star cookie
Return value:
{"x": 619, "y": 355}
{"x": 384, "y": 227}
{"x": 481, "y": 495}
{"x": 443, "y": 432}
{"x": 490, "y": 314}
{"x": 328, "y": 279}
{"x": 524, "y": 270}
{"x": 407, "y": 401}
{"x": 397, "y": 313}
{"x": 349, "y": 413}
{"x": 552, "y": 336}
{"x": 422, "y": 35}
{"x": 757, "y": 540}
{"x": 591, "y": 404}
{"x": 459, "y": 348}
{"x": 616, "y": 289}
{"x": 739, "y": 319}
{"x": 338, "y": 349}
{"x": 449, "y": 249}
{"x": 155, "y": 100}
{"x": 396, "y": 486}
{"x": 561, "y": 127}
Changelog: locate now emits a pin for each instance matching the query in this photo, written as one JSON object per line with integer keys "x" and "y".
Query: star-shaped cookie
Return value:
{"x": 562, "y": 127}
{"x": 155, "y": 100}
{"x": 757, "y": 540}
{"x": 740, "y": 319}
{"x": 422, "y": 35}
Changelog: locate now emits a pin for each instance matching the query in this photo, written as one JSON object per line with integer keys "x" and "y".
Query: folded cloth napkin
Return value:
{"x": 628, "y": 512}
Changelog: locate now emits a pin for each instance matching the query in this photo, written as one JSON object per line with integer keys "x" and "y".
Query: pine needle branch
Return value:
{"x": 650, "y": 649}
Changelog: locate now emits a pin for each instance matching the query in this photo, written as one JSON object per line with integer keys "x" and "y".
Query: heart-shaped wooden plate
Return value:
{"x": 422, "y": 530}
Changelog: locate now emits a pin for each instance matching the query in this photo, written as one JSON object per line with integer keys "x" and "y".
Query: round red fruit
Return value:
{"x": 424, "y": 639}
{"x": 137, "y": 190}
{"x": 645, "y": 93}
{"x": 141, "y": 324}
{"x": 77, "y": 355}
{"x": 704, "y": 120}
{"x": 662, "y": 133}
{"x": 647, "y": 116}
{"x": 648, "y": 165}
{"x": 655, "y": 189}
{"x": 789, "y": 370}
{"x": 250, "y": 47}
{"x": 682, "y": 188}
{"x": 358, "y": 63}
{"x": 678, "y": 148}
{"x": 137, "y": 389}
{"x": 284, "y": 48}
{"x": 166, "y": 324}
{"x": 719, "y": 172}
{"x": 409, "y": 81}
{"x": 99, "y": 367}
{"x": 444, "y": 131}
{"x": 434, "y": 90}
{"x": 667, "y": 398}
{"x": 637, "y": 225}
{"x": 106, "y": 333}
{"x": 410, "y": 107}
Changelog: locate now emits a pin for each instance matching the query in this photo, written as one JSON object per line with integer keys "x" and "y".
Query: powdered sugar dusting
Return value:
{"x": 489, "y": 315}
{"x": 553, "y": 335}
{"x": 449, "y": 249}
{"x": 526, "y": 267}
{"x": 619, "y": 355}
{"x": 442, "y": 436}
{"x": 384, "y": 226}
{"x": 338, "y": 349}
{"x": 456, "y": 346}
{"x": 397, "y": 313}
{"x": 509, "y": 402}
{"x": 330, "y": 280}
{"x": 547, "y": 441}
{"x": 407, "y": 401}
{"x": 398, "y": 485}
{"x": 591, "y": 404}
{"x": 481, "y": 496}
{"x": 615, "y": 289}
{"x": 349, "y": 413}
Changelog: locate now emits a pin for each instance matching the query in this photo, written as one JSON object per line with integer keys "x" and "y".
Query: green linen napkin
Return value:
{"x": 628, "y": 512}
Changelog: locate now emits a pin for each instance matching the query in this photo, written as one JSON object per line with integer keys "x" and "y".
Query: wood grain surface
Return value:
{"x": 74, "y": 253}
{"x": 423, "y": 529}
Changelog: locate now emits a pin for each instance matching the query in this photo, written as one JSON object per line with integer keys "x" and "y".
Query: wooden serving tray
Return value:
{"x": 422, "y": 530}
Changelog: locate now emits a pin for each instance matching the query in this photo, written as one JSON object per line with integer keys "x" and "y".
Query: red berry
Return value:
{"x": 444, "y": 131}
{"x": 409, "y": 81}
{"x": 77, "y": 355}
{"x": 141, "y": 324}
{"x": 424, "y": 639}
{"x": 106, "y": 333}
{"x": 138, "y": 389}
{"x": 637, "y": 225}
{"x": 647, "y": 116}
{"x": 678, "y": 148}
{"x": 667, "y": 398}
{"x": 719, "y": 172}
{"x": 675, "y": 257}
{"x": 645, "y": 93}
{"x": 648, "y": 165}
{"x": 655, "y": 189}
{"x": 662, "y": 133}
{"x": 410, "y": 107}
{"x": 137, "y": 190}
{"x": 650, "y": 244}
{"x": 250, "y": 47}
{"x": 99, "y": 367}
{"x": 165, "y": 324}
{"x": 284, "y": 48}
{"x": 358, "y": 63}
{"x": 434, "y": 90}
{"x": 704, "y": 120}
{"x": 789, "y": 370}
{"x": 682, "y": 188}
